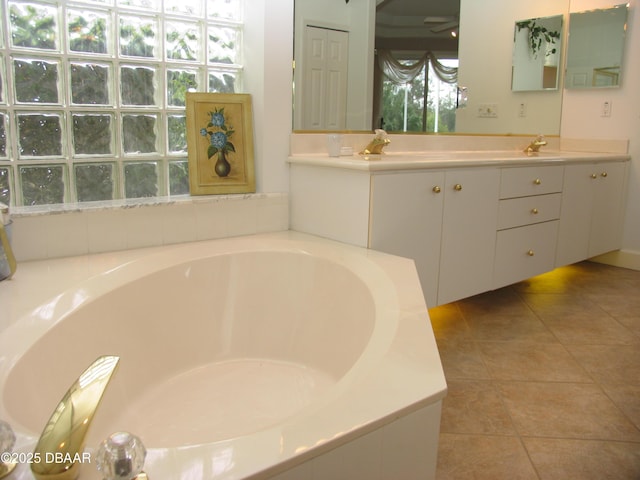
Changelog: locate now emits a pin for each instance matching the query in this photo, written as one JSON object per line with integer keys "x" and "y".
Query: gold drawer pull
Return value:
{"x": 603, "y": 174}
{"x": 535, "y": 211}
{"x": 594, "y": 175}
{"x": 436, "y": 189}
{"x": 531, "y": 253}
{"x": 457, "y": 187}
{"x": 537, "y": 181}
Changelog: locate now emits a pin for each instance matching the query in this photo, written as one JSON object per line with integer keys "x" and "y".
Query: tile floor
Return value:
{"x": 544, "y": 378}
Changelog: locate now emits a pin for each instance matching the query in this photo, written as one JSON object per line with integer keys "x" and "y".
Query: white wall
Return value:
{"x": 581, "y": 114}
{"x": 485, "y": 68}
{"x": 268, "y": 50}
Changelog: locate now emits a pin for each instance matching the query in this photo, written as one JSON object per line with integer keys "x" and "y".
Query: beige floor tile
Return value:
{"x": 448, "y": 323}
{"x": 618, "y": 304}
{"x": 482, "y": 457}
{"x": 504, "y": 301}
{"x": 462, "y": 360}
{"x": 573, "y": 279}
{"x": 556, "y": 459}
{"x": 531, "y": 362}
{"x": 474, "y": 407}
{"x": 503, "y": 328}
{"x": 611, "y": 364}
{"x": 589, "y": 329}
{"x": 554, "y": 304}
{"x": 551, "y": 364}
{"x": 627, "y": 398}
{"x": 566, "y": 410}
{"x": 632, "y": 322}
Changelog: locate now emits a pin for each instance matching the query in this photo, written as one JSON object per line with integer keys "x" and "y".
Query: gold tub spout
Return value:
{"x": 59, "y": 451}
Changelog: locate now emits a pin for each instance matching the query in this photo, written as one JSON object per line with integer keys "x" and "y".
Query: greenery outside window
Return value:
{"x": 92, "y": 94}
{"x": 403, "y": 106}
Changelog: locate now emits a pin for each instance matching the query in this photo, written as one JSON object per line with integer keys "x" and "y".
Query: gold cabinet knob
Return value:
{"x": 535, "y": 211}
{"x": 531, "y": 253}
{"x": 537, "y": 181}
{"x": 437, "y": 189}
{"x": 594, "y": 175}
{"x": 457, "y": 187}
{"x": 603, "y": 174}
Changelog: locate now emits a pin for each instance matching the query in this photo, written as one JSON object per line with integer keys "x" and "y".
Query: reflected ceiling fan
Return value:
{"x": 442, "y": 23}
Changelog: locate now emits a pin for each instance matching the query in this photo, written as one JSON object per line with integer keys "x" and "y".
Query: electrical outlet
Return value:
{"x": 522, "y": 110}
{"x": 488, "y": 110}
{"x": 606, "y": 109}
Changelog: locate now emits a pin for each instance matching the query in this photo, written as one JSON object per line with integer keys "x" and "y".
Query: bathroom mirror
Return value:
{"x": 537, "y": 47}
{"x": 476, "y": 43}
{"x": 595, "y": 48}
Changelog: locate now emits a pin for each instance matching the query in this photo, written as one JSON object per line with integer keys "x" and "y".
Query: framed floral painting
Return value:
{"x": 220, "y": 143}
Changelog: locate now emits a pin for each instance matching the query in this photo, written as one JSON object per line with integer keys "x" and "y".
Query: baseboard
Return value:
{"x": 620, "y": 258}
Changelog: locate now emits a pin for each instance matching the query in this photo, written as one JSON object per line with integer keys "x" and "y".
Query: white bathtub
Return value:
{"x": 269, "y": 356}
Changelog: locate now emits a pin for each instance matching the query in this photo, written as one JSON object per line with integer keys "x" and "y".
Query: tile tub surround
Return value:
{"x": 544, "y": 378}
{"x": 70, "y": 230}
{"x": 394, "y": 426}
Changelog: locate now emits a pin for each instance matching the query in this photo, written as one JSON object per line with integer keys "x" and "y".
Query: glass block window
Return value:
{"x": 93, "y": 93}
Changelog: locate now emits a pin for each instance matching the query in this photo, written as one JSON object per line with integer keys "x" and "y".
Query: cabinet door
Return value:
{"x": 406, "y": 219}
{"x": 592, "y": 211}
{"x": 469, "y": 222}
{"x": 575, "y": 214}
{"x": 608, "y": 205}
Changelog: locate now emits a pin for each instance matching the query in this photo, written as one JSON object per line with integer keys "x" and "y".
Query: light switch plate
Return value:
{"x": 488, "y": 110}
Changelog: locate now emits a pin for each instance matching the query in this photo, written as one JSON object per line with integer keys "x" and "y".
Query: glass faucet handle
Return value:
{"x": 121, "y": 457}
{"x": 7, "y": 441}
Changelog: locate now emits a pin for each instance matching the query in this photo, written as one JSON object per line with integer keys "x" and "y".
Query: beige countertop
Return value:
{"x": 451, "y": 159}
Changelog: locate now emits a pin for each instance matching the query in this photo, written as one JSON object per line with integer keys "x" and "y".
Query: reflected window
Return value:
{"x": 403, "y": 106}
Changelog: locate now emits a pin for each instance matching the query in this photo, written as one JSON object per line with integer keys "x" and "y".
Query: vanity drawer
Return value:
{"x": 524, "y": 252}
{"x": 515, "y": 212}
{"x": 525, "y": 181}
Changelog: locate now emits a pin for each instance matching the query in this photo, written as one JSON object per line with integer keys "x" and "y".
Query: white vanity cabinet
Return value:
{"x": 468, "y": 232}
{"x": 528, "y": 213}
{"x": 592, "y": 210}
{"x": 432, "y": 217}
{"x": 471, "y": 225}
{"x": 406, "y": 220}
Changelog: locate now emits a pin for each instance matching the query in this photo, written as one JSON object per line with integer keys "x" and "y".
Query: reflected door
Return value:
{"x": 324, "y": 88}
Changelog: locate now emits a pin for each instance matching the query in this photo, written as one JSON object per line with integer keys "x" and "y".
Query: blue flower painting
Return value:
{"x": 220, "y": 146}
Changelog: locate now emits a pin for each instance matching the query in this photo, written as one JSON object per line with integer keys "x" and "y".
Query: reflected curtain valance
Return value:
{"x": 401, "y": 74}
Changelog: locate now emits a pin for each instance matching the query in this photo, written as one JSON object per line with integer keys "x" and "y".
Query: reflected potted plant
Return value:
{"x": 219, "y": 134}
{"x": 539, "y": 36}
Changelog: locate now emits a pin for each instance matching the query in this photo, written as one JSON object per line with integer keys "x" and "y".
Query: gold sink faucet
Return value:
{"x": 535, "y": 145}
{"x": 376, "y": 145}
{"x": 60, "y": 448}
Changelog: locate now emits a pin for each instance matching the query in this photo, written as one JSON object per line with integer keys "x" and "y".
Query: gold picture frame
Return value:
{"x": 220, "y": 143}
